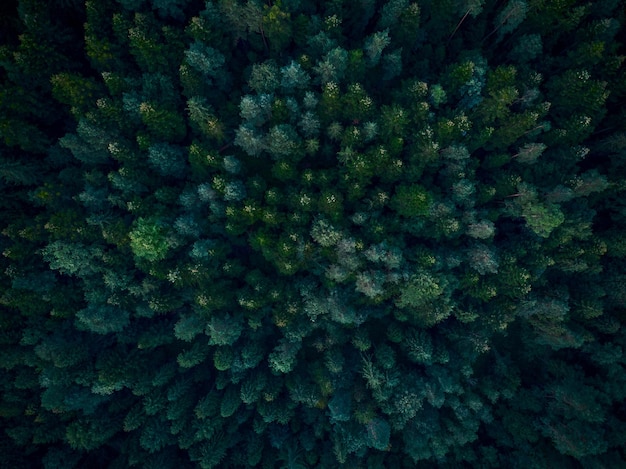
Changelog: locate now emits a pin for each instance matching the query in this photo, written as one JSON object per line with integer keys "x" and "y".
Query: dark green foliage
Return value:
{"x": 410, "y": 201}
{"x": 102, "y": 319}
{"x": 378, "y": 433}
{"x": 382, "y": 233}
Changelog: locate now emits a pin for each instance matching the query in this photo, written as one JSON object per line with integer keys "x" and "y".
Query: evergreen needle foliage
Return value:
{"x": 296, "y": 233}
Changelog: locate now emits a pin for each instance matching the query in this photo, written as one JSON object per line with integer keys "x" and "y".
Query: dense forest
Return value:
{"x": 302, "y": 234}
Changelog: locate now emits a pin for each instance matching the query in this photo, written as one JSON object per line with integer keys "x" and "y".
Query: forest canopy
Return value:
{"x": 291, "y": 234}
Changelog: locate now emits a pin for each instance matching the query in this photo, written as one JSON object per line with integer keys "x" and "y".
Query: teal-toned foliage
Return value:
{"x": 364, "y": 234}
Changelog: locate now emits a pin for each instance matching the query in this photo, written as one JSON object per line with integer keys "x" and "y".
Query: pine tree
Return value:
{"x": 358, "y": 266}
{"x": 410, "y": 201}
{"x": 148, "y": 239}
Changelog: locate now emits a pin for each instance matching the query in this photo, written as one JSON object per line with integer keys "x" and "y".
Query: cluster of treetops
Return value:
{"x": 290, "y": 233}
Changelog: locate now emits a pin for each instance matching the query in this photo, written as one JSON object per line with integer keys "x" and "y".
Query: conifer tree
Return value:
{"x": 312, "y": 234}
